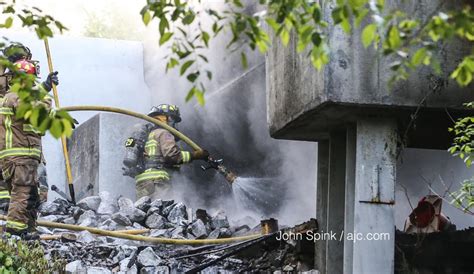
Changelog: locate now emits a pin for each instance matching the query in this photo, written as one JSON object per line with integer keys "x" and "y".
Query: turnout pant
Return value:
{"x": 155, "y": 189}
{"x": 22, "y": 182}
{"x": 4, "y": 194}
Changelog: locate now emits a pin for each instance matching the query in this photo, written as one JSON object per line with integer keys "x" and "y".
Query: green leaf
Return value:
{"x": 272, "y": 23}
{"x": 346, "y": 25}
{"x": 204, "y": 58}
{"x": 67, "y": 126}
{"x": 368, "y": 34}
{"x": 360, "y": 16}
{"x": 185, "y": 66}
{"x": 193, "y": 76}
{"x": 317, "y": 13}
{"x": 190, "y": 94}
{"x": 164, "y": 25}
{"x": 285, "y": 36}
{"x": 394, "y": 37}
{"x": 56, "y": 128}
{"x": 146, "y": 18}
{"x": 205, "y": 38}
{"x": 418, "y": 56}
{"x": 243, "y": 59}
{"x": 209, "y": 74}
{"x": 165, "y": 37}
{"x": 319, "y": 57}
{"x": 189, "y": 18}
{"x": 199, "y": 96}
{"x": 8, "y": 22}
{"x": 316, "y": 39}
{"x": 171, "y": 64}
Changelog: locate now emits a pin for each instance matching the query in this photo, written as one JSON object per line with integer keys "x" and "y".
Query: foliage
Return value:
{"x": 463, "y": 130}
{"x": 410, "y": 41}
{"x": 464, "y": 197}
{"x": 17, "y": 256}
{"x": 32, "y": 97}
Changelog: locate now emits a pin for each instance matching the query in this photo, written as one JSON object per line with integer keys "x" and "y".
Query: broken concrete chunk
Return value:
{"x": 178, "y": 233}
{"x": 178, "y": 214}
{"x": 51, "y": 208}
{"x": 155, "y": 221}
{"x": 155, "y": 269}
{"x": 75, "y": 267}
{"x": 137, "y": 215}
{"x": 144, "y": 203}
{"x": 86, "y": 237}
{"x": 50, "y": 218}
{"x": 87, "y": 215}
{"x": 220, "y": 233}
{"x": 90, "y": 203}
{"x": 125, "y": 251}
{"x": 148, "y": 257}
{"x": 219, "y": 220}
{"x": 69, "y": 221}
{"x": 166, "y": 210}
{"x": 159, "y": 233}
{"x": 98, "y": 270}
{"x": 138, "y": 226}
{"x": 154, "y": 209}
{"x": 124, "y": 267}
{"x": 125, "y": 204}
{"x": 108, "y": 225}
{"x": 198, "y": 229}
{"x": 108, "y": 203}
{"x": 121, "y": 219}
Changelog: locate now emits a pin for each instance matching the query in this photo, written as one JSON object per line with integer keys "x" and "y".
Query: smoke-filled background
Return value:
{"x": 276, "y": 175}
{"x": 279, "y": 177}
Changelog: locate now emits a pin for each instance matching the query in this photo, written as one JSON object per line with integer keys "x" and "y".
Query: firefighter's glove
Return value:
{"x": 200, "y": 155}
{"x": 74, "y": 123}
{"x": 52, "y": 79}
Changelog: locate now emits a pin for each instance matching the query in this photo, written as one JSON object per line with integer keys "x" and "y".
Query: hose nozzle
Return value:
{"x": 219, "y": 166}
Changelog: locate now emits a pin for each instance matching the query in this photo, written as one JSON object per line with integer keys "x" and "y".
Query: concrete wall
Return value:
{"x": 91, "y": 72}
{"x": 302, "y": 100}
{"x": 97, "y": 151}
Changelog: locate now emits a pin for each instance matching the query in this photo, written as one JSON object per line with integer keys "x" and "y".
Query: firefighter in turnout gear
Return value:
{"x": 160, "y": 155}
{"x": 4, "y": 193}
{"x": 20, "y": 148}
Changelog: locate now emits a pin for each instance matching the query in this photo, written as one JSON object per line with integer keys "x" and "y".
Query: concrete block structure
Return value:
{"x": 360, "y": 123}
{"x": 96, "y": 152}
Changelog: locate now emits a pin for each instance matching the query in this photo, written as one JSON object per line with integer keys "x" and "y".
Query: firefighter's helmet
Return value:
{"x": 17, "y": 51}
{"x": 166, "y": 109}
{"x": 27, "y": 66}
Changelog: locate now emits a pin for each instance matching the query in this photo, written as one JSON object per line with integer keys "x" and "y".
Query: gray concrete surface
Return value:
{"x": 97, "y": 151}
{"x": 91, "y": 72}
{"x": 305, "y": 104}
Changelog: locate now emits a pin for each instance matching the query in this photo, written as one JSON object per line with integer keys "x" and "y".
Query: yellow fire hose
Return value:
{"x": 154, "y": 240}
{"x": 63, "y": 138}
{"x": 137, "y": 115}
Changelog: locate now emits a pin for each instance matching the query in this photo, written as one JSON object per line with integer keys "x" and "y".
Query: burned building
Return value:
{"x": 362, "y": 125}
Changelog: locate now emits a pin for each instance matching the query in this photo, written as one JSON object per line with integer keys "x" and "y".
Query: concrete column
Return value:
{"x": 374, "y": 196}
{"x": 321, "y": 203}
{"x": 349, "y": 196}
{"x": 336, "y": 190}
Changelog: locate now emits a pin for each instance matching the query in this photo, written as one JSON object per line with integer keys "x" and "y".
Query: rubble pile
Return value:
{"x": 163, "y": 218}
